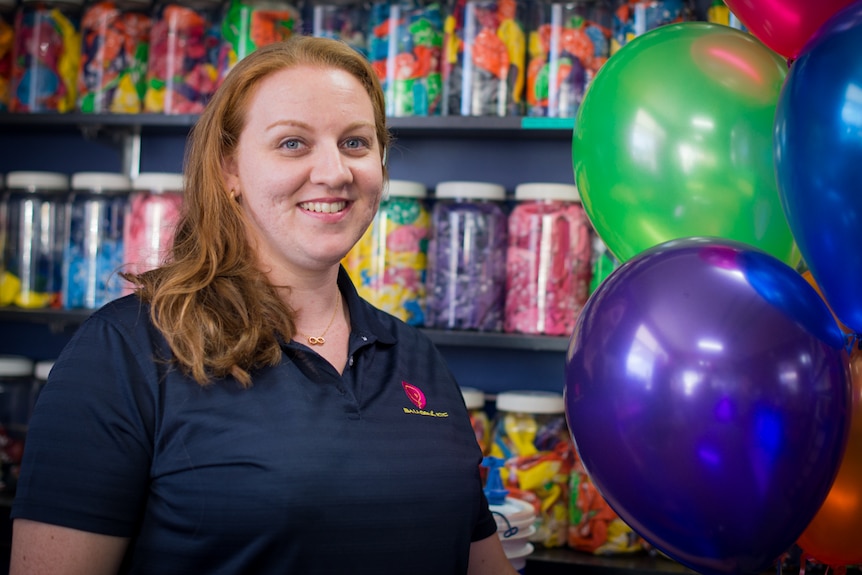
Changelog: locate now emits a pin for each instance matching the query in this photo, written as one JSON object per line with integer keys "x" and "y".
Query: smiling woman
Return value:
{"x": 219, "y": 437}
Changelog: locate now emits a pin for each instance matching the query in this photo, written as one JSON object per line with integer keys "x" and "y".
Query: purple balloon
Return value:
{"x": 708, "y": 394}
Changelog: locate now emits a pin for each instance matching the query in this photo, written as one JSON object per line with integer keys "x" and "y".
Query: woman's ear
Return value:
{"x": 230, "y": 175}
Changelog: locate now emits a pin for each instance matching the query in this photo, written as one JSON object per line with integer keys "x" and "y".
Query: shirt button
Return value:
{"x": 364, "y": 338}
{"x": 350, "y": 361}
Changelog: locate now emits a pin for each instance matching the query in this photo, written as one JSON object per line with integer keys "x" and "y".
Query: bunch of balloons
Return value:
{"x": 713, "y": 391}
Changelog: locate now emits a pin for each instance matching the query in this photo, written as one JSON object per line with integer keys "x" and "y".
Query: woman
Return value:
{"x": 245, "y": 411}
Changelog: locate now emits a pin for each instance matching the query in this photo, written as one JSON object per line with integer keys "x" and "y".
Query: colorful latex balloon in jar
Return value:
{"x": 405, "y": 43}
{"x": 184, "y": 40}
{"x": 569, "y": 42}
{"x": 485, "y": 58}
{"x": 115, "y": 42}
{"x": 45, "y": 57}
{"x": 250, "y": 24}
{"x": 548, "y": 260}
{"x": 388, "y": 264}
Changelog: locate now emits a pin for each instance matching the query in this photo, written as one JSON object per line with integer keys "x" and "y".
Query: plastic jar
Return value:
{"x": 569, "y": 42}
{"x": 184, "y": 44}
{"x": 154, "y": 209}
{"x": 7, "y": 46}
{"x": 388, "y": 264}
{"x": 345, "y": 20}
{"x": 474, "y": 399}
{"x": 250, "y": 24}
{"x": 484, "y": 63}
{"x": 115, "y": 40}
{"x": 46, "y": 54}
{"x": 16, "y": 383}
{"x": 467, "y": 257}
{"x": 35, "y": 220}
{"x": 405, "y": 44}
{"x": 548, "y": 263}
{"x": 531, "y": 436}
{"x": 633, "y": 18}
{"x": 94, "y": 244}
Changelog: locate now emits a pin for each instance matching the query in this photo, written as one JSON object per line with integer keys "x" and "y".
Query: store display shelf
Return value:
{"x": 428, "y": 126}
{"x": 70, "y": 318}
{"x": 566, "y": 561}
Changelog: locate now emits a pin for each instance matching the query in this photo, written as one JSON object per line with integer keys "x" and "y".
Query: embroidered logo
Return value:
{"x": 414, "y": 394}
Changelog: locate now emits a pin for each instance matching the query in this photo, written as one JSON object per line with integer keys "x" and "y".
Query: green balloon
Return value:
{"x": 674, "y": 139}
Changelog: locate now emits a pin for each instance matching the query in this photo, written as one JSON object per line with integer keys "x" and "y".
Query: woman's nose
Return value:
{"x": 330, "y": 167}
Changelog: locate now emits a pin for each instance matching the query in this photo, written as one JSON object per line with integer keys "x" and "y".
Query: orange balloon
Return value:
{"x": 834, "y": 536}
{"x": 810, "y": 279}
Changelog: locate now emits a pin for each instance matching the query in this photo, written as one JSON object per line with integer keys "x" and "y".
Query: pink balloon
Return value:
{"x": 785, "y": 25}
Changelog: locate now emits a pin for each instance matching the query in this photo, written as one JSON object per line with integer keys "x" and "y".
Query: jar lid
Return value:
{"x": 407, "y": 189}
{"x": 158, "y": 182}
{"x": 538, "y": 402}
{"x": 547, "y": 191}
{"x": 475, "y": 190}
{"x": 43, "y": 368}
{"x": 15, "y": 366}
{"x": 473, "y": 398}
{"x": 33, "y": 181}
{"x": 100, "y": 181}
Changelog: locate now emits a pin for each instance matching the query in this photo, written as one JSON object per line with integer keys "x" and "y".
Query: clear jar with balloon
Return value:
{"x": 7, "y": 40}
{"x": 484, "y": 58}
{"x": 45, "y": 57}
{"x": 405, "y": 42}
{"x": 467, "y": 257}
{"x": 388, "y": 264}
{"x": 548, "y": 259}
{"x": 115, "y": 40}
{"x": 182, "y": 72}
{"x": 568, "y": 44}
{"x": 247, "y": 25}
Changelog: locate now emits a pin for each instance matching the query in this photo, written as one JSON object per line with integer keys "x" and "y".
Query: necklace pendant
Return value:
{"x": 316, "y": 340}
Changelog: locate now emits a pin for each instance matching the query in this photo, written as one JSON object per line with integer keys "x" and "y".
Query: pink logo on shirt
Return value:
{"x": 414, "y": 394}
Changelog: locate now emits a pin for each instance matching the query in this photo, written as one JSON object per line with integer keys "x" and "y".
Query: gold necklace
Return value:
{"x": 320, "y": 340}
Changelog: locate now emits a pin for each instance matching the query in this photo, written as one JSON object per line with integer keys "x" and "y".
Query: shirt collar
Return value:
{"x": 364, "y": 318}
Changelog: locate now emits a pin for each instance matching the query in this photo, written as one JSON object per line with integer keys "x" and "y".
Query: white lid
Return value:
{"x": 547, "y": 191}
{"x": 474, "y": 398}
{"x": 43, "y": 368}
{"x": 37, "y": 181}
{"x": 159, "y": 182}
{"x": 475, "y": 190}
{"x": 100, "y": 181}
{"x": 531, "y": 402}
{"x": 15, "y": 366}
{"x": 407, "y": 189}
{"x": 514, "y": 512}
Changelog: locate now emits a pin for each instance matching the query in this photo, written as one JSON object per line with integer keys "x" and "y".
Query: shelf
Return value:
{"x": 58, "y": 320}
{"x": 564, "y": 560}
{"x": 428, "y": 126}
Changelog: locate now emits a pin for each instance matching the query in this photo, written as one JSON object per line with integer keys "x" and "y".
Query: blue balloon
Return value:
{"x": 818, "y": 160}
{"x": 708, "y": 394}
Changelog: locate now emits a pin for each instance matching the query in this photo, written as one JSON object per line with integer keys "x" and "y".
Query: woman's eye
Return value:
{"x": 356, "y": 143}
{"x": 291, "y": 144}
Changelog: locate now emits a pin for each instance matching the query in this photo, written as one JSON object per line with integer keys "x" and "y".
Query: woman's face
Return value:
{"x": 307, "y": 169}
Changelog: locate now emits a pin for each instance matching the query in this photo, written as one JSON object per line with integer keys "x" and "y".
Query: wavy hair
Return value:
{"x": 217, "y": 309}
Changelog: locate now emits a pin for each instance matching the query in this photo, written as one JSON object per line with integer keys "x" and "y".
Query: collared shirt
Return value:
{"x": 308, "y": 471}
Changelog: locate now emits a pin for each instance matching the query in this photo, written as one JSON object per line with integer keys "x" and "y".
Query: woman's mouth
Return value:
{"x": 323, "y": 207}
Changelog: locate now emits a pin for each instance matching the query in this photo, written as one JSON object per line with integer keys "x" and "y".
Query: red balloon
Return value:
{"x": 785, "y": 25}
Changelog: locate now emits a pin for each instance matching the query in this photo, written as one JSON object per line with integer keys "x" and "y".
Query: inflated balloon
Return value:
{"x": 785, "y": 25}
{"x": 674, "y": 139}
{"x": 708, "y": 394}
{"x": 810, "y": 279}
{"x": 818, "y": 154}
{"x": 834, "y": 536}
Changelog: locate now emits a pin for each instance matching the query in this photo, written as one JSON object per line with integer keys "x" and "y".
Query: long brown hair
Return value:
{"x": 217, "y": 310}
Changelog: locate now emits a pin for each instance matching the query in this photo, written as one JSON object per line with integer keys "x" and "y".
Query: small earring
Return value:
{"x": 385, "y": 156}
{"x": 233, "y": 194}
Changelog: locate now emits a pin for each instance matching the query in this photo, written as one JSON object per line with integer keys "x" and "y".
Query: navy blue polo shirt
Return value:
{"x": 308, "y": 471}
